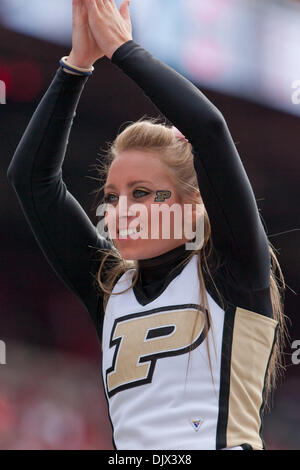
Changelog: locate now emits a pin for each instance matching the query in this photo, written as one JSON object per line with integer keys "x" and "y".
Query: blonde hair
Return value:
{"x": 149, "y": 134}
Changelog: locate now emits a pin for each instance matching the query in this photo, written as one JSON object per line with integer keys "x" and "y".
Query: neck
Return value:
{"x": 154, "y": 269}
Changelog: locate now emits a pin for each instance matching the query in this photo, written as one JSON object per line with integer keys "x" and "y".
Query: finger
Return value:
{"x": 124, "y": 10}
{"x": 110, "y": 4}
{"x": 75, "y": 11}
{"x": 75, "y": 4}
{"x": 78, "y": 5}
{"x": 113, "y": 4}
{"x": 79, "y": 8}
{"x": 101, "y": 4}
{"x": 95, "y": 15}
{"x": 92, "y": 5}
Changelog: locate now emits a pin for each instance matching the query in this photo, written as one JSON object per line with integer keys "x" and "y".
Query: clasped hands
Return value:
{"x": 98, "y": 29}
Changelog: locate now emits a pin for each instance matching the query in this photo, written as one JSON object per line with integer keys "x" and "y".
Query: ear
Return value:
{"x": 197, "y": 210}
{"x": 198, "y": 196}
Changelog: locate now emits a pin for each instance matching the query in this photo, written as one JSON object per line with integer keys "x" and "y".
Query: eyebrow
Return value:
{"x": 130, "y": 184}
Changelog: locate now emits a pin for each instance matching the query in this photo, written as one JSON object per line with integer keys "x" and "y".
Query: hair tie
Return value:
{"x": 179, "y": 134}
{"x": 80, "y": 70}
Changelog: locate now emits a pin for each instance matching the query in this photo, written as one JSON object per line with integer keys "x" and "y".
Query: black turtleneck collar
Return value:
{"x": 154, "y": 273}
{"x": 169, "y": 256}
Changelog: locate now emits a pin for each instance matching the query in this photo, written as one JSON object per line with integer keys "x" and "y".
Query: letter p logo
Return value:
{"x": 143, "y": 338}
{"x": 162, "y": 195}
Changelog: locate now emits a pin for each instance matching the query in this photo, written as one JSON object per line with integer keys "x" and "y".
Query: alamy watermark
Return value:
{"x": 2, "y": 352}
{"x": 2, "y": 92}
{"x": 296, "y": 94}
{"x": 296, "y": 354}
{"x": 166, "y": 222}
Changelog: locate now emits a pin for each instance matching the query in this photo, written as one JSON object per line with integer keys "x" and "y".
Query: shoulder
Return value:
{"x": 228, "y": 289}
{"x": 123, "y": 280}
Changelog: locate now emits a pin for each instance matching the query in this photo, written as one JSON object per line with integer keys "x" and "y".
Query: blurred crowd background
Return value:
{"x": 244, "y": 55}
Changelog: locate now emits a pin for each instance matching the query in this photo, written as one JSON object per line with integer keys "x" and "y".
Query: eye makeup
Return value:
{"x": 136, "y": 195}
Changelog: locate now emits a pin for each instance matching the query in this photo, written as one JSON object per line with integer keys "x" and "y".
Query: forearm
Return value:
{"x": 61, "y": 227}
{"x": 42, "y": 148}
{"x": 175, "y": 96}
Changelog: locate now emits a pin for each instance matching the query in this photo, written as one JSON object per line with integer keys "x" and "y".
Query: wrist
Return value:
{"x": 110, "y": 52}
{"x": 70, "y": 67}
{"x": 71, "y": 72}
{"x": 79, "y": 61}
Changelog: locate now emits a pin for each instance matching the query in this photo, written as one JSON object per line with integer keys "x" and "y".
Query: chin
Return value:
{"x": 129, "y": 249}
{"x": 132, "y": 250}
{"x": 132, "y": 254}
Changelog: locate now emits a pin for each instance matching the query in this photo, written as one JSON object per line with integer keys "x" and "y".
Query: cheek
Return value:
{"x": 145, "y": 215}
{"x": 110, "y": 220}
{"x": 166, "y": 215}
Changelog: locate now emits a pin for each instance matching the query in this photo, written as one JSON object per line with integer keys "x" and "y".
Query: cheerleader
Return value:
{"x": 191, "y": 338}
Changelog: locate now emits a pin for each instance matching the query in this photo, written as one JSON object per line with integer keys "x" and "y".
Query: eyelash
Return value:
{"x": 107, "y": 196}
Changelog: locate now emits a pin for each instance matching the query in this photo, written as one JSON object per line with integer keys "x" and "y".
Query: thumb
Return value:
{"x": 124, "y": 10}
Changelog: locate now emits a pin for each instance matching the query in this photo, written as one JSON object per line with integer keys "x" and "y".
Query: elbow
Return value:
{"x": 14, "y": 178}
{"x": 10, "y": 174}
{"x": 216, "y": 124}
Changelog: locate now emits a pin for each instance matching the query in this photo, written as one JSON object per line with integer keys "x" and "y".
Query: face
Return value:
{"x": 139, "y": 193}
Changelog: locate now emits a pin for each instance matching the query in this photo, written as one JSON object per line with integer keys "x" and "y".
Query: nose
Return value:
{"x": 122, "y": 207}
{"x": 123, "y": 212}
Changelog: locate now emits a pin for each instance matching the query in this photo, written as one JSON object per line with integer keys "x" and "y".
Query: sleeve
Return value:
{"x": 237, "y": 231}
{"x": 61, "y": 227}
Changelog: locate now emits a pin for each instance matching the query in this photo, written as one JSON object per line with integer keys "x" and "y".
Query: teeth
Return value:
{"x": 126, "y": 233}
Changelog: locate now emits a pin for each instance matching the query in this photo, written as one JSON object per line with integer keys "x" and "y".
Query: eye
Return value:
{"x": 138, "y": 193}
{"x": 110, "y": 198}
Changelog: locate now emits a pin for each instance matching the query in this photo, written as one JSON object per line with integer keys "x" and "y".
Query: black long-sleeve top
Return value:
{"x": 67, "y": 236}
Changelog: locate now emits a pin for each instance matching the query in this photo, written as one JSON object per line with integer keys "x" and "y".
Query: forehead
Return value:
{"x": 138, "y": 165}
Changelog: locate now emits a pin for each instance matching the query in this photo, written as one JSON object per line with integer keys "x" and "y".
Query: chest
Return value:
{"x": 154, "y": 343}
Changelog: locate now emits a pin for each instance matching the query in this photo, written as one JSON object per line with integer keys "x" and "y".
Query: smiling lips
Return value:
{"x": 127, "y": 232}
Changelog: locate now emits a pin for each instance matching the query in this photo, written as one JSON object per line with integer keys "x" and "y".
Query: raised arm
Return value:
{"x": 237, "y": 231}
{"x": 61, "y": 227}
